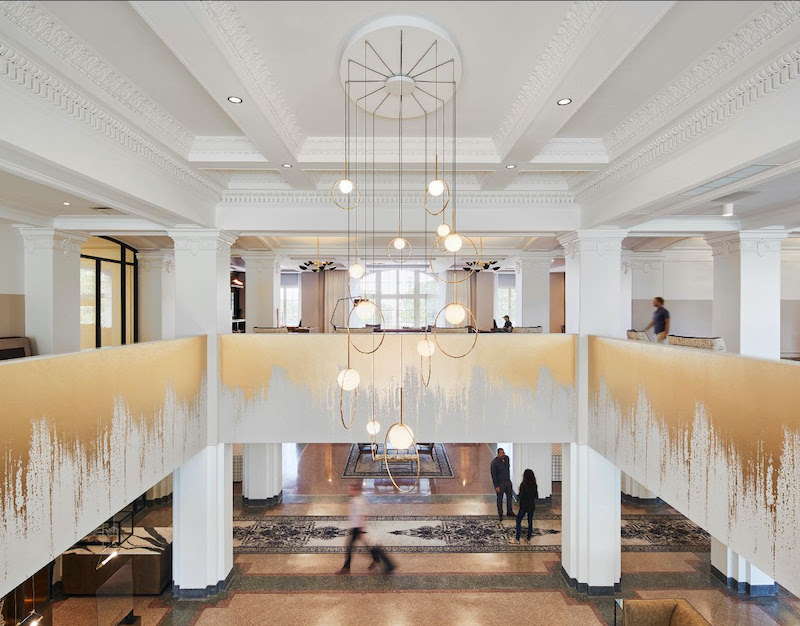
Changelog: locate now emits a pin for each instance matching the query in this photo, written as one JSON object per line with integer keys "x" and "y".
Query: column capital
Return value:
{"x": 37, "y": 239}
{"x": 600, "y": 241}
{"x": 194, "y": 240}
{"x": 642, "y": 261}
{"x": 163, "y": 259}
{"x": 535, "y": 260}
{"x": 759, "y": 242}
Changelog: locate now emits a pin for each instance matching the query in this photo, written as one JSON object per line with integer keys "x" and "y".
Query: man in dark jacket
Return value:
{"x": 501, "y": 478}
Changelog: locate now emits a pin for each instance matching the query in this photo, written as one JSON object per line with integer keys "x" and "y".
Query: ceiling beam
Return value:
{"x": 614, "y": 33}
{"x": 188, "y": 31}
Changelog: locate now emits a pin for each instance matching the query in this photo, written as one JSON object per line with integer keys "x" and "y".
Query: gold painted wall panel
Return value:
{"x": 715, "y": 435}
{"x": 283, "y": 387}
{"x": 84, "y": 434}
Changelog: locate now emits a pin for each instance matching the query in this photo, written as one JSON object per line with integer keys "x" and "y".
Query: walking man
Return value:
{"x": 501, "y": 478}
{"x": 357, "y": 521}
{"x": 660, "y": 321}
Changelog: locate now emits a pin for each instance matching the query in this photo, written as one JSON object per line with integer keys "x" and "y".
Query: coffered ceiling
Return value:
{"x": 125, "y": 105}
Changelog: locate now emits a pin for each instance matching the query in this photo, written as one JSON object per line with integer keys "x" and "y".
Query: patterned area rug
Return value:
{"x": 435, "y": 465}
{"x": 452, "y": 533}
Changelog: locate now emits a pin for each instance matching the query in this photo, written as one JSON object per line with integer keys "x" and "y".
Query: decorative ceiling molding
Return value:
{"x": 26, "y": 75}
{"x": 571, "y": 150}
{"x": 548, "y": 69}
{"x": 42, "y": 26}
{"x": 209, "y": 148}
{"x": 470, "y": 149}
{"x": 703, "y": 72}
{"x": 708, "y": 118}
{"x": 253, "y": 180}
{"x": 234, "y": 33}
{"x": 480, "y": 199}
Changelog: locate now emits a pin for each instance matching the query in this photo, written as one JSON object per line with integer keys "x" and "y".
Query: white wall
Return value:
{"x": 790, "y": 303}
{"x": 12, "y": 282}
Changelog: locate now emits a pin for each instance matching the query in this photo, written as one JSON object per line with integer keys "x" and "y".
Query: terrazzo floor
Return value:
{"x": 464, "y": 589}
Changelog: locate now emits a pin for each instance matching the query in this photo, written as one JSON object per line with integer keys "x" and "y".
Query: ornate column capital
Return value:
{"x": 535, "y": 261}
{"x": 39, "y": 239}
{"x": 261, "y": 262}
{"x": 196, "y": 240}
{"x": 599, "y": 241}
{"x": 151, "y": 260}
{"x": 642, "y": 261}
{"x": 750, "y": 242}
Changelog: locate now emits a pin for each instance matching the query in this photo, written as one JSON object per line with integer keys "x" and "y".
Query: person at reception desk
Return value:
{"x": 507, "y": 326}
{"x": 660, "y": 321}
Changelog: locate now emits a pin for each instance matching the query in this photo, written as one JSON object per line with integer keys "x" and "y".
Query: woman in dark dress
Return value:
{"x": 528, "y": 494}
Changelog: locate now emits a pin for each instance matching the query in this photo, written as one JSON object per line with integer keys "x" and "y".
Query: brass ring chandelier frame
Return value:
{"x": 350, "y": 341}
{"x": 436, "y": 247}
{"x": 413, "y": 444}
{"x": 408, "y": 246}
{"x": 346, "y": 206}
{"x": 445, "y": 194}
{"x": 436, "y": 336}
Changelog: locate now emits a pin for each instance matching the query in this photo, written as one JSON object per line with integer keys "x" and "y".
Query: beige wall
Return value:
{"x": 12, "y": 315}
{"x": 311, "y": 300}
{"x": 557, "y": 319}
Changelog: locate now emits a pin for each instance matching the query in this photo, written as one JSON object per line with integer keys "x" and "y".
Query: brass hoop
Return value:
{"x": 436, "y": 247}
{"x": 383, "y": 332}
{"x": 386, "y": 461}
{"x": 390, "y": 247}
{"x": 436, "y": 337}
{"x": 425, "y": 382}
{"x": 341, "y": 407}
{"x": 446, "y": 202}
{"x": 346, "y": 207}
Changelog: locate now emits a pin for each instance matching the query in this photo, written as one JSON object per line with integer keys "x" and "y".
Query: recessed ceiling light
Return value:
{"x": 510, "y": 167}
{"x": 234, "y": 99}
{"x": 65, "y": 203}
{"x": 564, "y": 102}
{"x": 287, "y": 165}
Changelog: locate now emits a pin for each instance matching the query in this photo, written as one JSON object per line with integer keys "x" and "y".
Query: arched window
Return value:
{"x": 408, "y": 298}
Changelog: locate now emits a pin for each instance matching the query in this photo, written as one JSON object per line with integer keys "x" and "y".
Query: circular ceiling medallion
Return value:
{"x": 375, "y": 77}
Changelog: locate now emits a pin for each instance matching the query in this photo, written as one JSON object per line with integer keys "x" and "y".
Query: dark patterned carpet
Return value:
{"x": 452, "y": 533}
{"x": 435, "y": 465}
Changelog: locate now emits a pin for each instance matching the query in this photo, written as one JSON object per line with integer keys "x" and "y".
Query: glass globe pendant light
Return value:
{"x": 401, "y": 437}
{"x": 373, "y": 427}
{"x": 443, "y": 230}
{"x": 398, "y": 243}
{"x": 426, "y": 347}
{"x": 455, "y": 313}
{"x": 346, "y": 186}
{"x": 453, "y": 242}
{"x": 348, "y": 379}
{"x": 357, "y": 270}
{"x": 366, "y": 310}
{"x": 436, "y": 188}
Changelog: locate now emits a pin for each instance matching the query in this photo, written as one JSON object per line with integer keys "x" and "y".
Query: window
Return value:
{"x": 290, "y": 299}
{"x": 109, "y": 292}
{"x": 408, "y": 298}
{"x": 505, "y": 302}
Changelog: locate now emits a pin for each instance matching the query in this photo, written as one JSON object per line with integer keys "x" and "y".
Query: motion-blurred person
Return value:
{"x": 660, "y": 321}
{"x": 357, "y": 521}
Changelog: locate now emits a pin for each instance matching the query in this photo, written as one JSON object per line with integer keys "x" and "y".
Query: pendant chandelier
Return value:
{"x": 379, "y": 83}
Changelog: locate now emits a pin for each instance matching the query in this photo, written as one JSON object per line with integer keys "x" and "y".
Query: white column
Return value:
{"x": 203, "y": 486}
{"x": 537, "y": 457}
{"x": 625, "y": 295}
{"x": 262, "y": 289}
{"x": 591, "y": 536}
{"x": 156, "y": 294}
{"x": 736, "y": 572}
{"x": 747, "y": 291}
{"x": 634, "y": 489}
{"x": 262, "y": 473}
{"x": 156, "y": 272}
{"x": 52, "y": 290}
{"x": 533, "y": 289}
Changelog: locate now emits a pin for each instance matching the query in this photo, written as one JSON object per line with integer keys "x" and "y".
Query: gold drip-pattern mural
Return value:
{"x": 84, "y": 434}
{"x": 282, "y": 388}
{"x": 716, "y": 436}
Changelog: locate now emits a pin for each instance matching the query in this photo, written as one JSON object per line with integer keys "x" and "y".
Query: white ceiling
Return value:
{"x": 181, "y": 66}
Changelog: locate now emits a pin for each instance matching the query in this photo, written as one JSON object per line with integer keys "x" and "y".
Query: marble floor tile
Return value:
{"x": 662, "y": 562}
{"x": 717, "y": 607}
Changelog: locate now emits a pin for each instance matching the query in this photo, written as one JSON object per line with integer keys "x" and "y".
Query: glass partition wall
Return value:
{"x": 109, "y": 293}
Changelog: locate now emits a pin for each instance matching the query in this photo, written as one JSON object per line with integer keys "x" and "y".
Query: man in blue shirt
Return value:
{"x": 660, "y": 321}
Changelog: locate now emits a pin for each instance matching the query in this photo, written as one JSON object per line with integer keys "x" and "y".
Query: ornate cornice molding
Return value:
{"x": 579, "y": 18}
{"x": 465, "y": 198}
{"x": 234, "y": 33}
{"x": 42, "y": 26}
{"x": 37, "y": 82}
{"x": 38, "y": 239}
{"x": 702, "y": 72}
{"x": 233, "y": 148}
{"x": 727, "y": 245}
{"x": 600, "y": 243}
{"x": 762, "y": 84}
